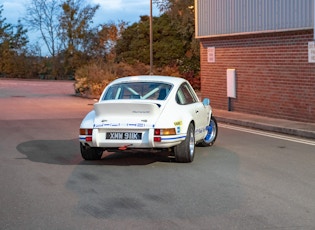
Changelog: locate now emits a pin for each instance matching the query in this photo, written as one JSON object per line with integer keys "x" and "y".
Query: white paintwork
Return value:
{"x": 143, "y": 116}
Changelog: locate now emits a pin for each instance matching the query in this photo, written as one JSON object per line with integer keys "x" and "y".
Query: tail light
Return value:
{"x": 163, "y": 132}
{"x": 87, "y": 133}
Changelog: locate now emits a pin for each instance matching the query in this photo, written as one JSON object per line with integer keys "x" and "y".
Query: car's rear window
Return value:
{"x": 138, "y": 90}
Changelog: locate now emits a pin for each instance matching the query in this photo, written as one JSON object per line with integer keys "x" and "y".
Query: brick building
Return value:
{"x": 267, "y": 43}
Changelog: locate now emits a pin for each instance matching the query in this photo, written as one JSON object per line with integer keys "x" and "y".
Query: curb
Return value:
{"x": 268, "y": 127}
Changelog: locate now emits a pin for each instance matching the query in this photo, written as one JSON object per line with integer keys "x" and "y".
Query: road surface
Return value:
{"x": 247, "y": 180}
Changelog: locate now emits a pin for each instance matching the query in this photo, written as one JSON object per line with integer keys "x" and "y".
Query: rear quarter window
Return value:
{"x": 185, "y": 96}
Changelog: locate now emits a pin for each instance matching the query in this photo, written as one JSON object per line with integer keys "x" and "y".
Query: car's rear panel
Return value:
{"x": 128, "y": 124}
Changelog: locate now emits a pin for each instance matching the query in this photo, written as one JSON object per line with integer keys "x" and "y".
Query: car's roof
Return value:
{"x": 149, "y": 78}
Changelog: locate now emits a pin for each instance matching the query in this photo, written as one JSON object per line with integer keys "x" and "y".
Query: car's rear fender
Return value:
{"x": 177, "y": 121}
{"x": 88, "y": 121}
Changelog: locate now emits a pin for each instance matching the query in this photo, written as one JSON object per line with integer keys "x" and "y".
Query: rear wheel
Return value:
{"x": 90, "y": 153}
{"x": 212, "y": 133}
{"x": 185, "y": 151}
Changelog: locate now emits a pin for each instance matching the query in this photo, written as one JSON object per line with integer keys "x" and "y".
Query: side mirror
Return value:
{"x": 206, "y": 102}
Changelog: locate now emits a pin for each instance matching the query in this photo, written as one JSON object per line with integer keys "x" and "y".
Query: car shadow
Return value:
{"x": 67, "y": 152}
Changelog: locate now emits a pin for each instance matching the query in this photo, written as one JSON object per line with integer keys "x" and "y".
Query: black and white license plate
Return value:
{"x": 123, "y": 136}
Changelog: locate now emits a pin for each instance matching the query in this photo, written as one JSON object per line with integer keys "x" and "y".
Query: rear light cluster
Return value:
{"x": 163, "y": 132}
{"x": 87, "y": 133}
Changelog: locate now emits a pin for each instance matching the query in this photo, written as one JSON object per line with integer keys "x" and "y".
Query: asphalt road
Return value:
{"x": 247, "y": 180}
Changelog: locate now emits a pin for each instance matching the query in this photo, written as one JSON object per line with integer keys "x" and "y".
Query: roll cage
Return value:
{"x": 138, "y": 90}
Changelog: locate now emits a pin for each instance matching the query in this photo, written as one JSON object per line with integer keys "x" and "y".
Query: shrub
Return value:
{"x": 91, "y": 79}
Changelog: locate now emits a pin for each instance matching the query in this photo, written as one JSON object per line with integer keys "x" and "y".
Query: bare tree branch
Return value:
{"x": 42, "y": 16}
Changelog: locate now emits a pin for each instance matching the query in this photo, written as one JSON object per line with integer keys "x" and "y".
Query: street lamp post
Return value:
{"x": 151, "y": 40}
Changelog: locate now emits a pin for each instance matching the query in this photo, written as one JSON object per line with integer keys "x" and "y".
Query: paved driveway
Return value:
{"x": 245, "y": 181}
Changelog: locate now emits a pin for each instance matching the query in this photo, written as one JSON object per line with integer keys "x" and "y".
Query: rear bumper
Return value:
{"x": 98, "y": 139}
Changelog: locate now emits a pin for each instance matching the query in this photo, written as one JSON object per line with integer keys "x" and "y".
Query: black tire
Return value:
{"x": 90, "y": 154}
{"x": 185, "y": 151}
{"x": 212, "y": 133}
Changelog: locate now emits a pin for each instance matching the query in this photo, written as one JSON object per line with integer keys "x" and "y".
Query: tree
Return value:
{"x": 103, "y": 40}
{"x": 174, "y": 43}
{"x": 19, "y": 38}
{"x": 41, "y": 15}
{"x": 4, "y": 28}
{"x": 76, "y": 23}
{"x": 181, "y": 11}
{"x": 108, "y": 36}
{"x": 133, "y": 46}
{"x": 13, "y": 41}
{"x": 76, "y": 32}
{"x": 182, "y": 17}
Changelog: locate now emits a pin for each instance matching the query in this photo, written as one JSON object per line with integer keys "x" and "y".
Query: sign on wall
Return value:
{"x": 211, "y": 54}
{"x": 311, "y": 52}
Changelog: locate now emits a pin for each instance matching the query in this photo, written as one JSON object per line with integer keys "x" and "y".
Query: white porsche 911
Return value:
{"x": 148, "y": 112}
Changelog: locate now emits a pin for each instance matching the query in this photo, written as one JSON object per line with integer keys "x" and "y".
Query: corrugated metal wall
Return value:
{"x": 220, "y": 17}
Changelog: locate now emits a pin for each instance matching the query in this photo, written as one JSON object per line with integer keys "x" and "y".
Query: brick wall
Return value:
{"x": 274, "y": 77}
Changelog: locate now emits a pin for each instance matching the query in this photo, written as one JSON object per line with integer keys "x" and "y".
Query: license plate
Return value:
{"x": 123, "y": 136}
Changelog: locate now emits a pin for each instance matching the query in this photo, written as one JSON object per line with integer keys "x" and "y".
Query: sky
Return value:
{"x": 109, "y": 11}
